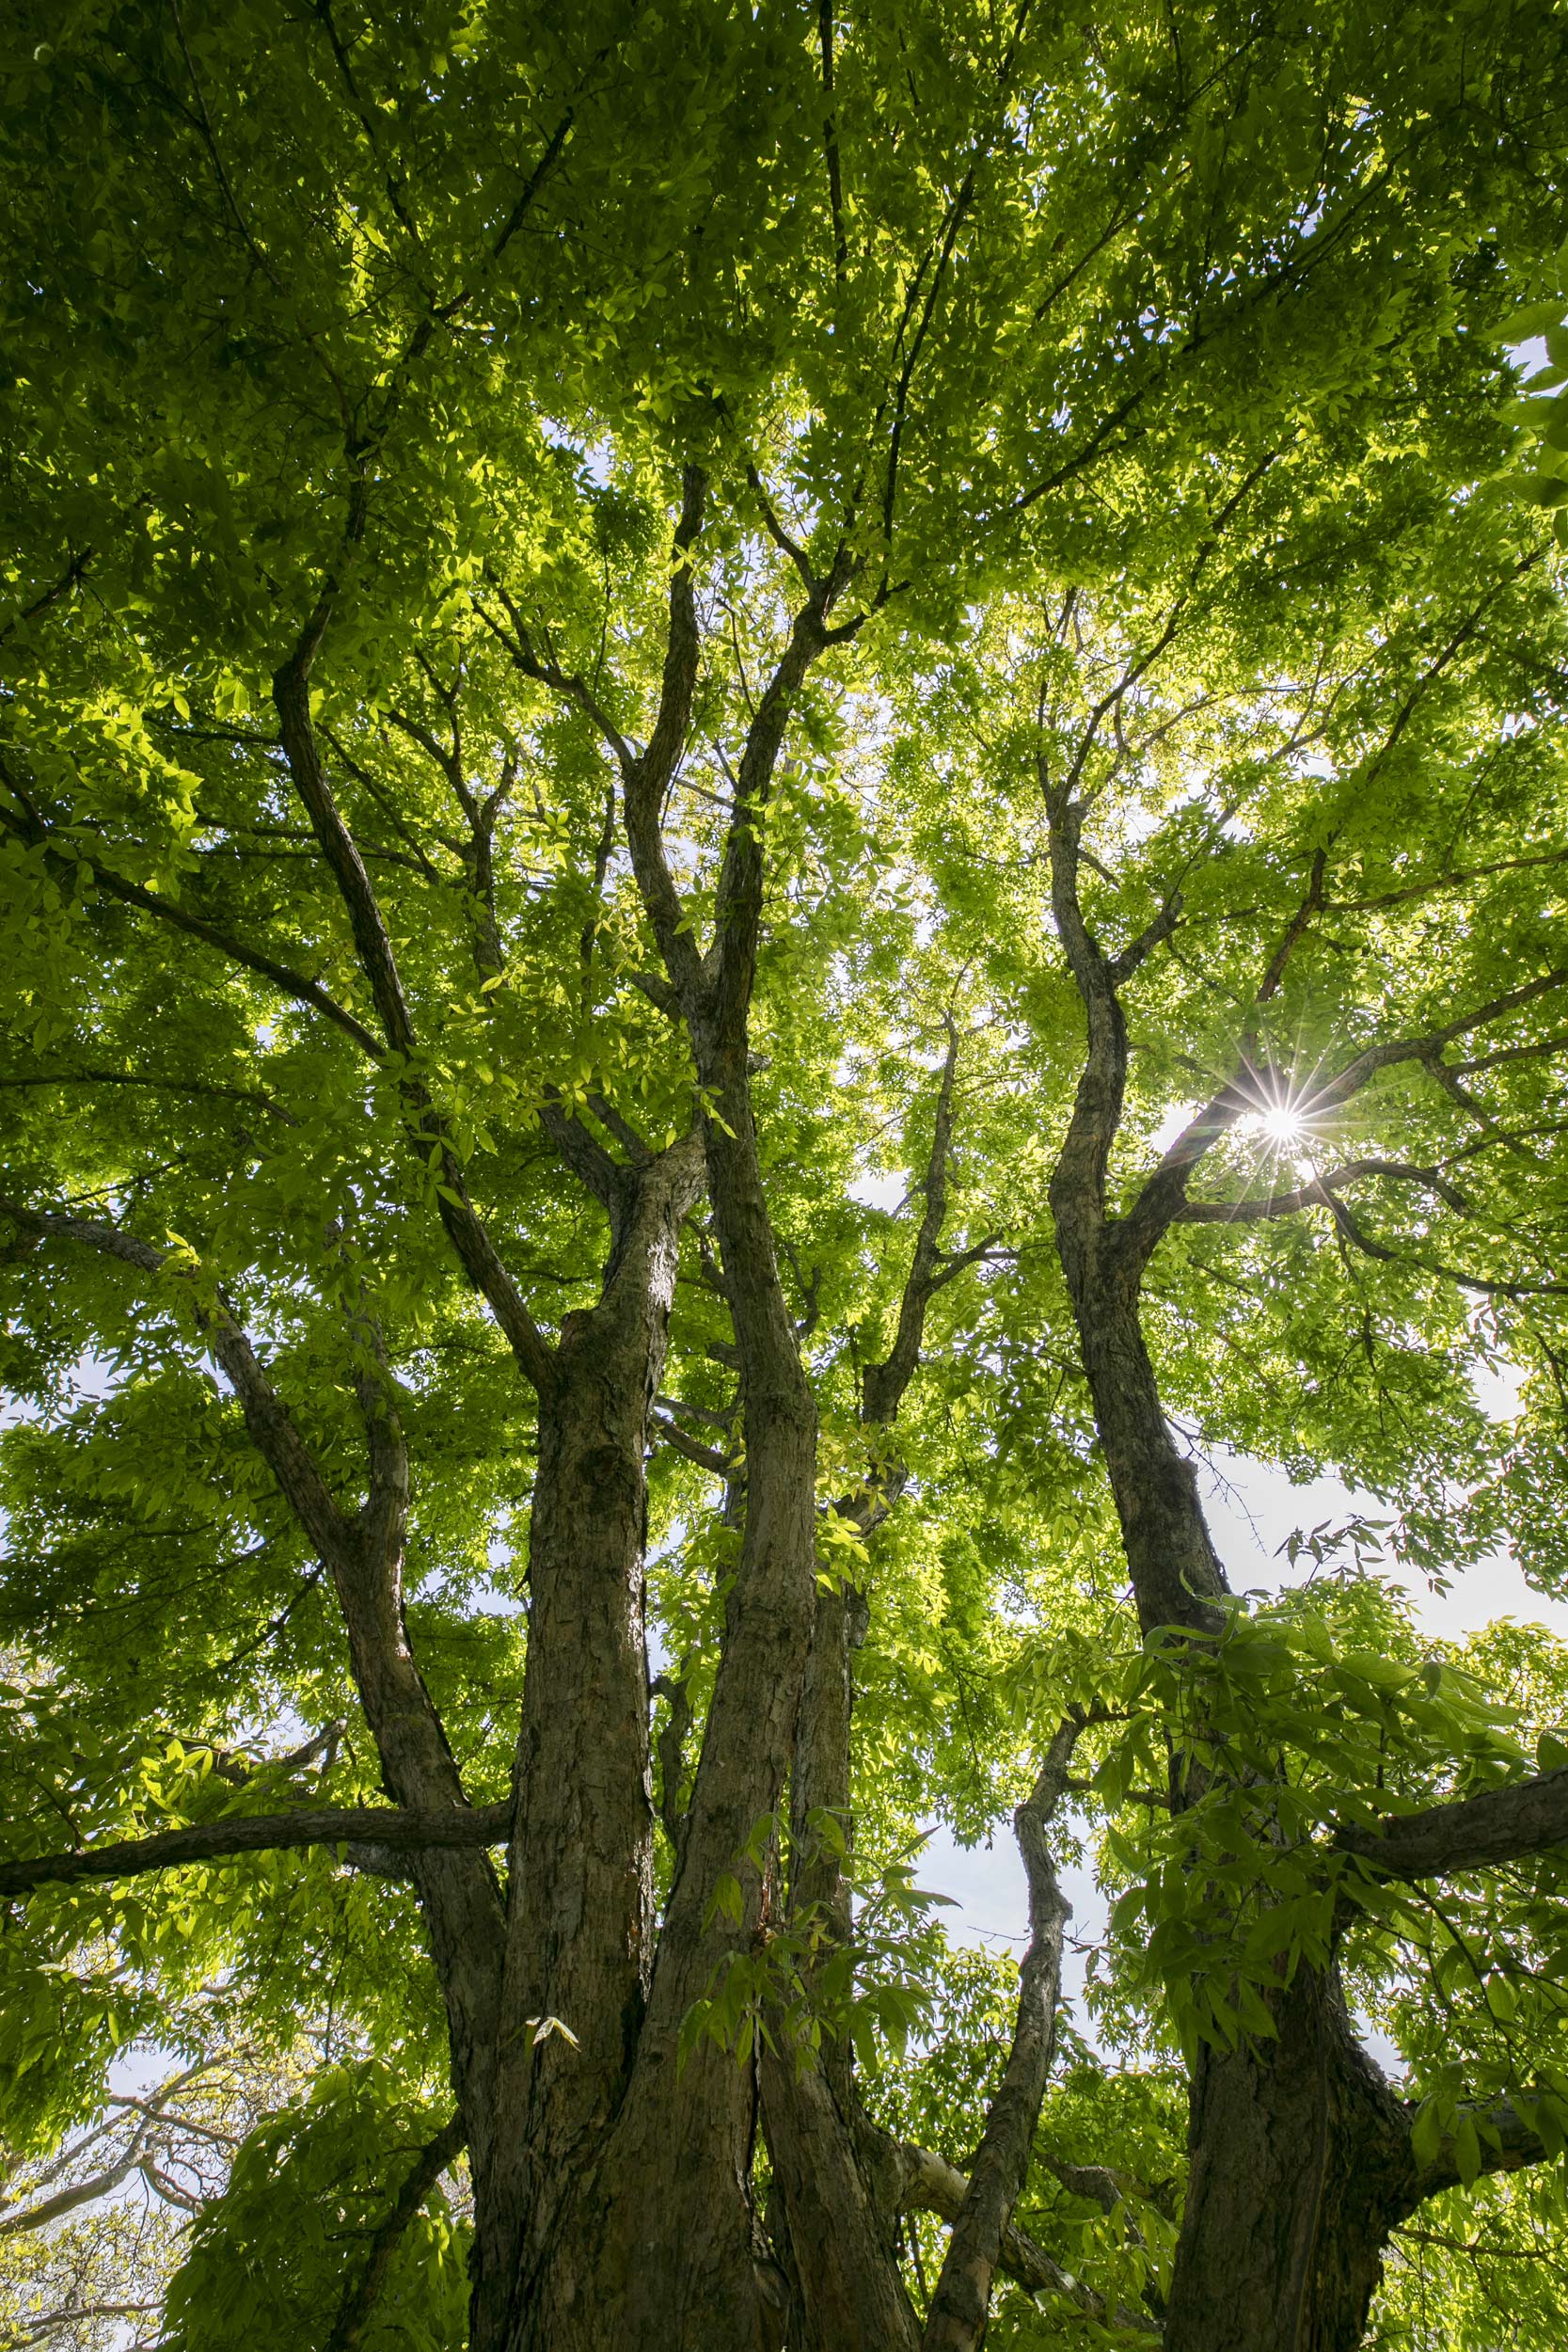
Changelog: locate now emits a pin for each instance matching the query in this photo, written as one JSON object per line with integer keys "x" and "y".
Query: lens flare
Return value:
{"x": 1284, "y": 1126}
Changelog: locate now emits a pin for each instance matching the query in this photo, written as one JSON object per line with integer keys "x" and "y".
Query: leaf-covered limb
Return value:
{"x": 357, "y": 2308}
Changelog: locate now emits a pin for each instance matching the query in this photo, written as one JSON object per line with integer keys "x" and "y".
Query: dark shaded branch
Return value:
{"x": 281, "y": 975}
{"x": 1486, "y": 1286}
{"x": 1294, "y": 931}
{"x": 1310, "y": 1195}
{"x": 68, "y": 579}
{"x": 1472, "y": 1833}
{"x": 393, "y": 1826}
{"x": 692, "y": 1449}
{"x": 829, "y": 138}
{"x": 777, "y": 533}
{"x": 1356, "y": 1074}
{"x": 647, "y": 777}
{"x": 267, "y": 1420}
{"x": 1455, "y": 881}
{"x": 671, "y": 1745}
{"x": 291, "y": 695}
{"x": 527, "y": 658}
{"x": 198, "y": 1089}
{"x": 358, "y": 2304}
{"x": 883, "y": 1385}
{"x": 465, "y": 1229}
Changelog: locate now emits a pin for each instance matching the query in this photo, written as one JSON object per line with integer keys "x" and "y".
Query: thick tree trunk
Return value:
{"x": 1300, "y": 2167}
{"x": 1300, "y": 2161}
{"x": 848, "y": 2291}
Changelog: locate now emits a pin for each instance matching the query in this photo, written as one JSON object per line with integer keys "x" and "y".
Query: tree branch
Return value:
{"x": 1311, "y": 1196}
{"x": 956, "y": 2319}
{"x": 1162, "y": 1198}
{"x": 465, "y": 1227}
{"x": 930, "y": 2184}
{"x": 396, "y": 1827}
{"x": 1472, "y": 1833}
{"x": 280, "y": 976}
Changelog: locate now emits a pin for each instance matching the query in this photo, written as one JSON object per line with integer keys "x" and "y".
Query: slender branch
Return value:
{"x": 830, "y": 140}
{"x": 1485, "y": 1286}
{"x": 70, "y": 579}
{"x": 1162, "y": 1198}
{"x": 83, "y": 2193}
{"x": 196, "y": 1090}
{"x": 1310, "y": 1195}
{"x": 281, "y": 975}
{"x": 883, "y": 1385}
{"x": 956, "y": 2319}
{"x": 930, "y": 2184}
{"x": 1455, "y": 881}
{"x": 272, "y": 1430}
{"x": 394, "y": 1826}
{"x": 647, "y": 777}
{"x": 526, "y": 658}
{"x": 465, "y": 1229}
{"x": 777, "y": 533}
{"x": 1294, "y": 931}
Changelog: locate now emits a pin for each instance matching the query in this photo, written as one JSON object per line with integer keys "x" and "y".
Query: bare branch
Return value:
{"x": 956, "y": 2319}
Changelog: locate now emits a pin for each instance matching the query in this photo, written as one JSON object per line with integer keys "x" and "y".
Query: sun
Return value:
{"x": 1284, "y": 1126}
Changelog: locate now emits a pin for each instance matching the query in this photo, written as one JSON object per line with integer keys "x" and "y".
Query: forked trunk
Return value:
{"x": 655, "y": 2244}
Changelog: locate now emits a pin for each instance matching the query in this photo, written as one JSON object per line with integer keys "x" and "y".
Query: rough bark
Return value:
{"x": 848, "y": 2292}
{"x": 1300, "y": 2167}
{"x": 835, "y": 2200}
{"x": 580, "y": 1926}
{"x": 1300, "y": 2152}
{"x": 956, "y": 2319}
{"x": 686, "y": 2270}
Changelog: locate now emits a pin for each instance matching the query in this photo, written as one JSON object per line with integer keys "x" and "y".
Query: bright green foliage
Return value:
{"x": 1156, "y": 386}
{"x": 268, "y": 2261}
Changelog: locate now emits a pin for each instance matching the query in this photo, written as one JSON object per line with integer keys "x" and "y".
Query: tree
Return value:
{"x": 621, "y": 620}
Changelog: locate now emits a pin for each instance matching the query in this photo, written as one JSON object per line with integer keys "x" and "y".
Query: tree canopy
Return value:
{"x": 781, "y": 797}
